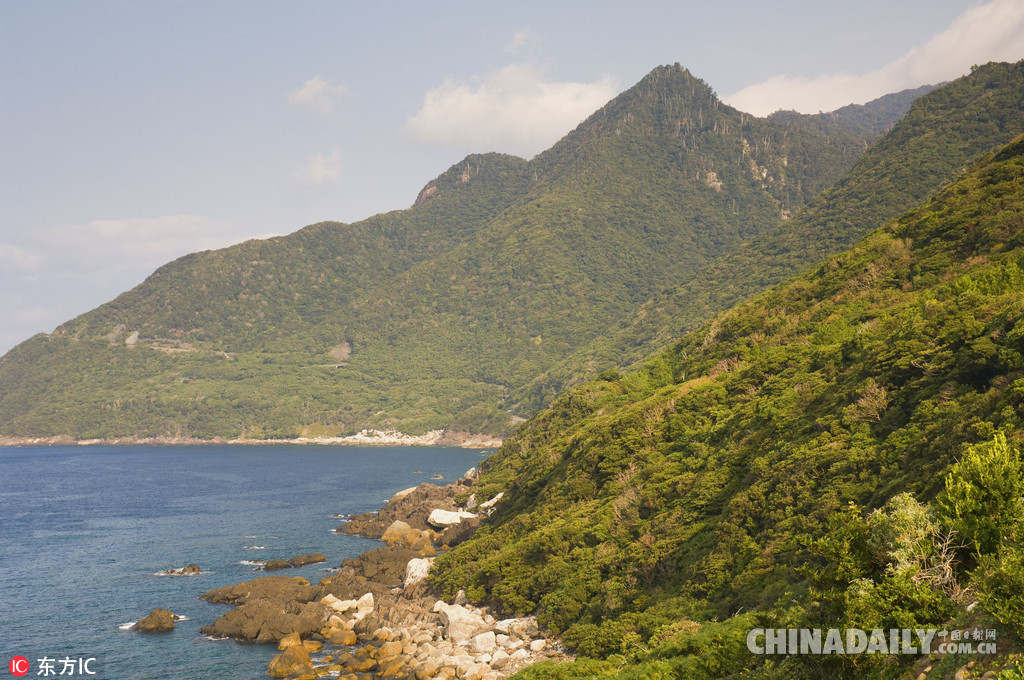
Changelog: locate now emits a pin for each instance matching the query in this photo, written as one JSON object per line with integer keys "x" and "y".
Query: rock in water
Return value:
{"x": 158, "y": 621}
{"x": 266, "y": 620}
{"x": 190, "y": 570}
{"x": 303, "y": 560}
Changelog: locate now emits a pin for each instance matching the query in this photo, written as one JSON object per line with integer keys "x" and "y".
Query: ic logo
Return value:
{"x": 19, "y": 666}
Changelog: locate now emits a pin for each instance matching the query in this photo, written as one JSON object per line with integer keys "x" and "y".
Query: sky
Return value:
{"x": 133, "y": 133}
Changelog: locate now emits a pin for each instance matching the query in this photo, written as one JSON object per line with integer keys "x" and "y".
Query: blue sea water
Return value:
{"x": 85, "y": 530}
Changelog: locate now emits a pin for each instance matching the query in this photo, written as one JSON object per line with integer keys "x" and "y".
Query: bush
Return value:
{"x": 983, "y": 500}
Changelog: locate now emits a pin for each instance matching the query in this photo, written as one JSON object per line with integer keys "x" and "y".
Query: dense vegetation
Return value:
{"x": 837, "y": 452}
{"x": 942, "y": 134}
{"x": 439, "y": 316}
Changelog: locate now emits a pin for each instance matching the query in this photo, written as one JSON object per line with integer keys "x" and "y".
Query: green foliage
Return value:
{"x": 777, "y": 459}
{"x": 984, "y": 496}
{"x": 1000, "y": 583}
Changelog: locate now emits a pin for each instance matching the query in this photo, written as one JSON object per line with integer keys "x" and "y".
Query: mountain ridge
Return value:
{"x": 501, "y": 268}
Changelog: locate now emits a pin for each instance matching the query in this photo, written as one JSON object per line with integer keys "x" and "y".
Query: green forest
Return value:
{"x": 840, "y": 451}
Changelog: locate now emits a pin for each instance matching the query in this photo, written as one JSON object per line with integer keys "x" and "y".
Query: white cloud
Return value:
{"x": 513, "y": 110}
{"x": 993, "y": 31}
{"x": 524, "y": 37}
{"x": 317, "y": 95}
{"x": 52, "y": 274}
{"x": 155, "y": 239}
{"x": 322, "y": 169}
{"x": 13, "y": 257}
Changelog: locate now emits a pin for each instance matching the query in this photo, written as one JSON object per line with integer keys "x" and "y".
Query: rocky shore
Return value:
{"x": 377, "y": 617}
{"x": 362, "y": 438}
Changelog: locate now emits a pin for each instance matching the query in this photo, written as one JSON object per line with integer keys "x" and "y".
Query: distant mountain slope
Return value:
{"x": 943, "y": 132}
{"x": 732, "y": 473}
{"x": 431, "y": 317}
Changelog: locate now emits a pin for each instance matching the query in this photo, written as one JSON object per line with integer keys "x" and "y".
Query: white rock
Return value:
{"x": 490, "y": 503}
{"x": 504, "y": 626}
{"x": 476, "y": 671}
{"x": 499, "y": 657}
{"x": 460, "y": 623}
{"x": 483, "y": 658}
{"x": 364, "y": 606}
{"x": 402, "y": 494}
{"x": 446, "y": 518}
{"x": 417, "y": 569}
{"x": 538, "y": 645}
{"x": 519, "y": 655}
{"x": 484, "y": 642}
{"x": 338, "y": 605}
{"x": 463, "y": 663}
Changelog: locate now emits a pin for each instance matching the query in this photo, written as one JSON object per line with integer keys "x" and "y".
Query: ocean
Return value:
{"x": 84, "y": 531}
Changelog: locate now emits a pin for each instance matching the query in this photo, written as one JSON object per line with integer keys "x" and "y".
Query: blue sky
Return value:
{"x": 132, "y": 133}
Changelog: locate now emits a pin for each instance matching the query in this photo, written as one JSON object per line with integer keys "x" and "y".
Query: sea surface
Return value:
{"x": 85, "y": 529}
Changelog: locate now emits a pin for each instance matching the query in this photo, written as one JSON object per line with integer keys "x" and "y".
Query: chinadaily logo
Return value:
{"x": 878, "y": 641}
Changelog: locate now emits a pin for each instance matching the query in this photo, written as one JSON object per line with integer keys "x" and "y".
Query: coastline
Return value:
{"x": 377, "y": 615}
{"x": 362, "y": 438}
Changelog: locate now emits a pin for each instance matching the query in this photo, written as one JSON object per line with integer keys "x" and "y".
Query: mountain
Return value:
{"x": 798, "y": 461}
{"x": 438, "y": 316}
{"x": 943, "y": 132}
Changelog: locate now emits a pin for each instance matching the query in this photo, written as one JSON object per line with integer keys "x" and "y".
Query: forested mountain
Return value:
{"x": 438, "y": 316}
{"x": 943, "y": 133}
{"x": 837, "y": 452}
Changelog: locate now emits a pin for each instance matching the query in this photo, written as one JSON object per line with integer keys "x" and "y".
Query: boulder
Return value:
{"x": 458, "y": 533}
{"x": 289, "y": 640}
{"x": 412, "y": 507}
{"x": 338, "y": 605}
{"x": 396, "y": 532}
{"x": 385, "y": 565}
{"x": 190, "y": 570}
{"x": 276, "y": 564}
{"x": 538, "y": 645}
{"x": 293, "y": 661}
{"x": 345, "y": 638}
{"x": 402, "y": 494}
{"x": 158, "y": 621}
{"x": 417, "y": 569}
{"x": 364, "y": 606}
{"x": 303, "y": 560}
{"x": 442, "y": 519}
{"x": 493, "y": 501}
{"x": 293, "y": 588}
{"x": 269, "y": 620}
{"x": 460, "y": 623}
{"x": 483, "y": 642}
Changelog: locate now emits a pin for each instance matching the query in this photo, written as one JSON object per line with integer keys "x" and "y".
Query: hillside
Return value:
{"x": 433, "y": 317}
{"x": 943, "y": 132}
{"x": 653, "y": 518}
